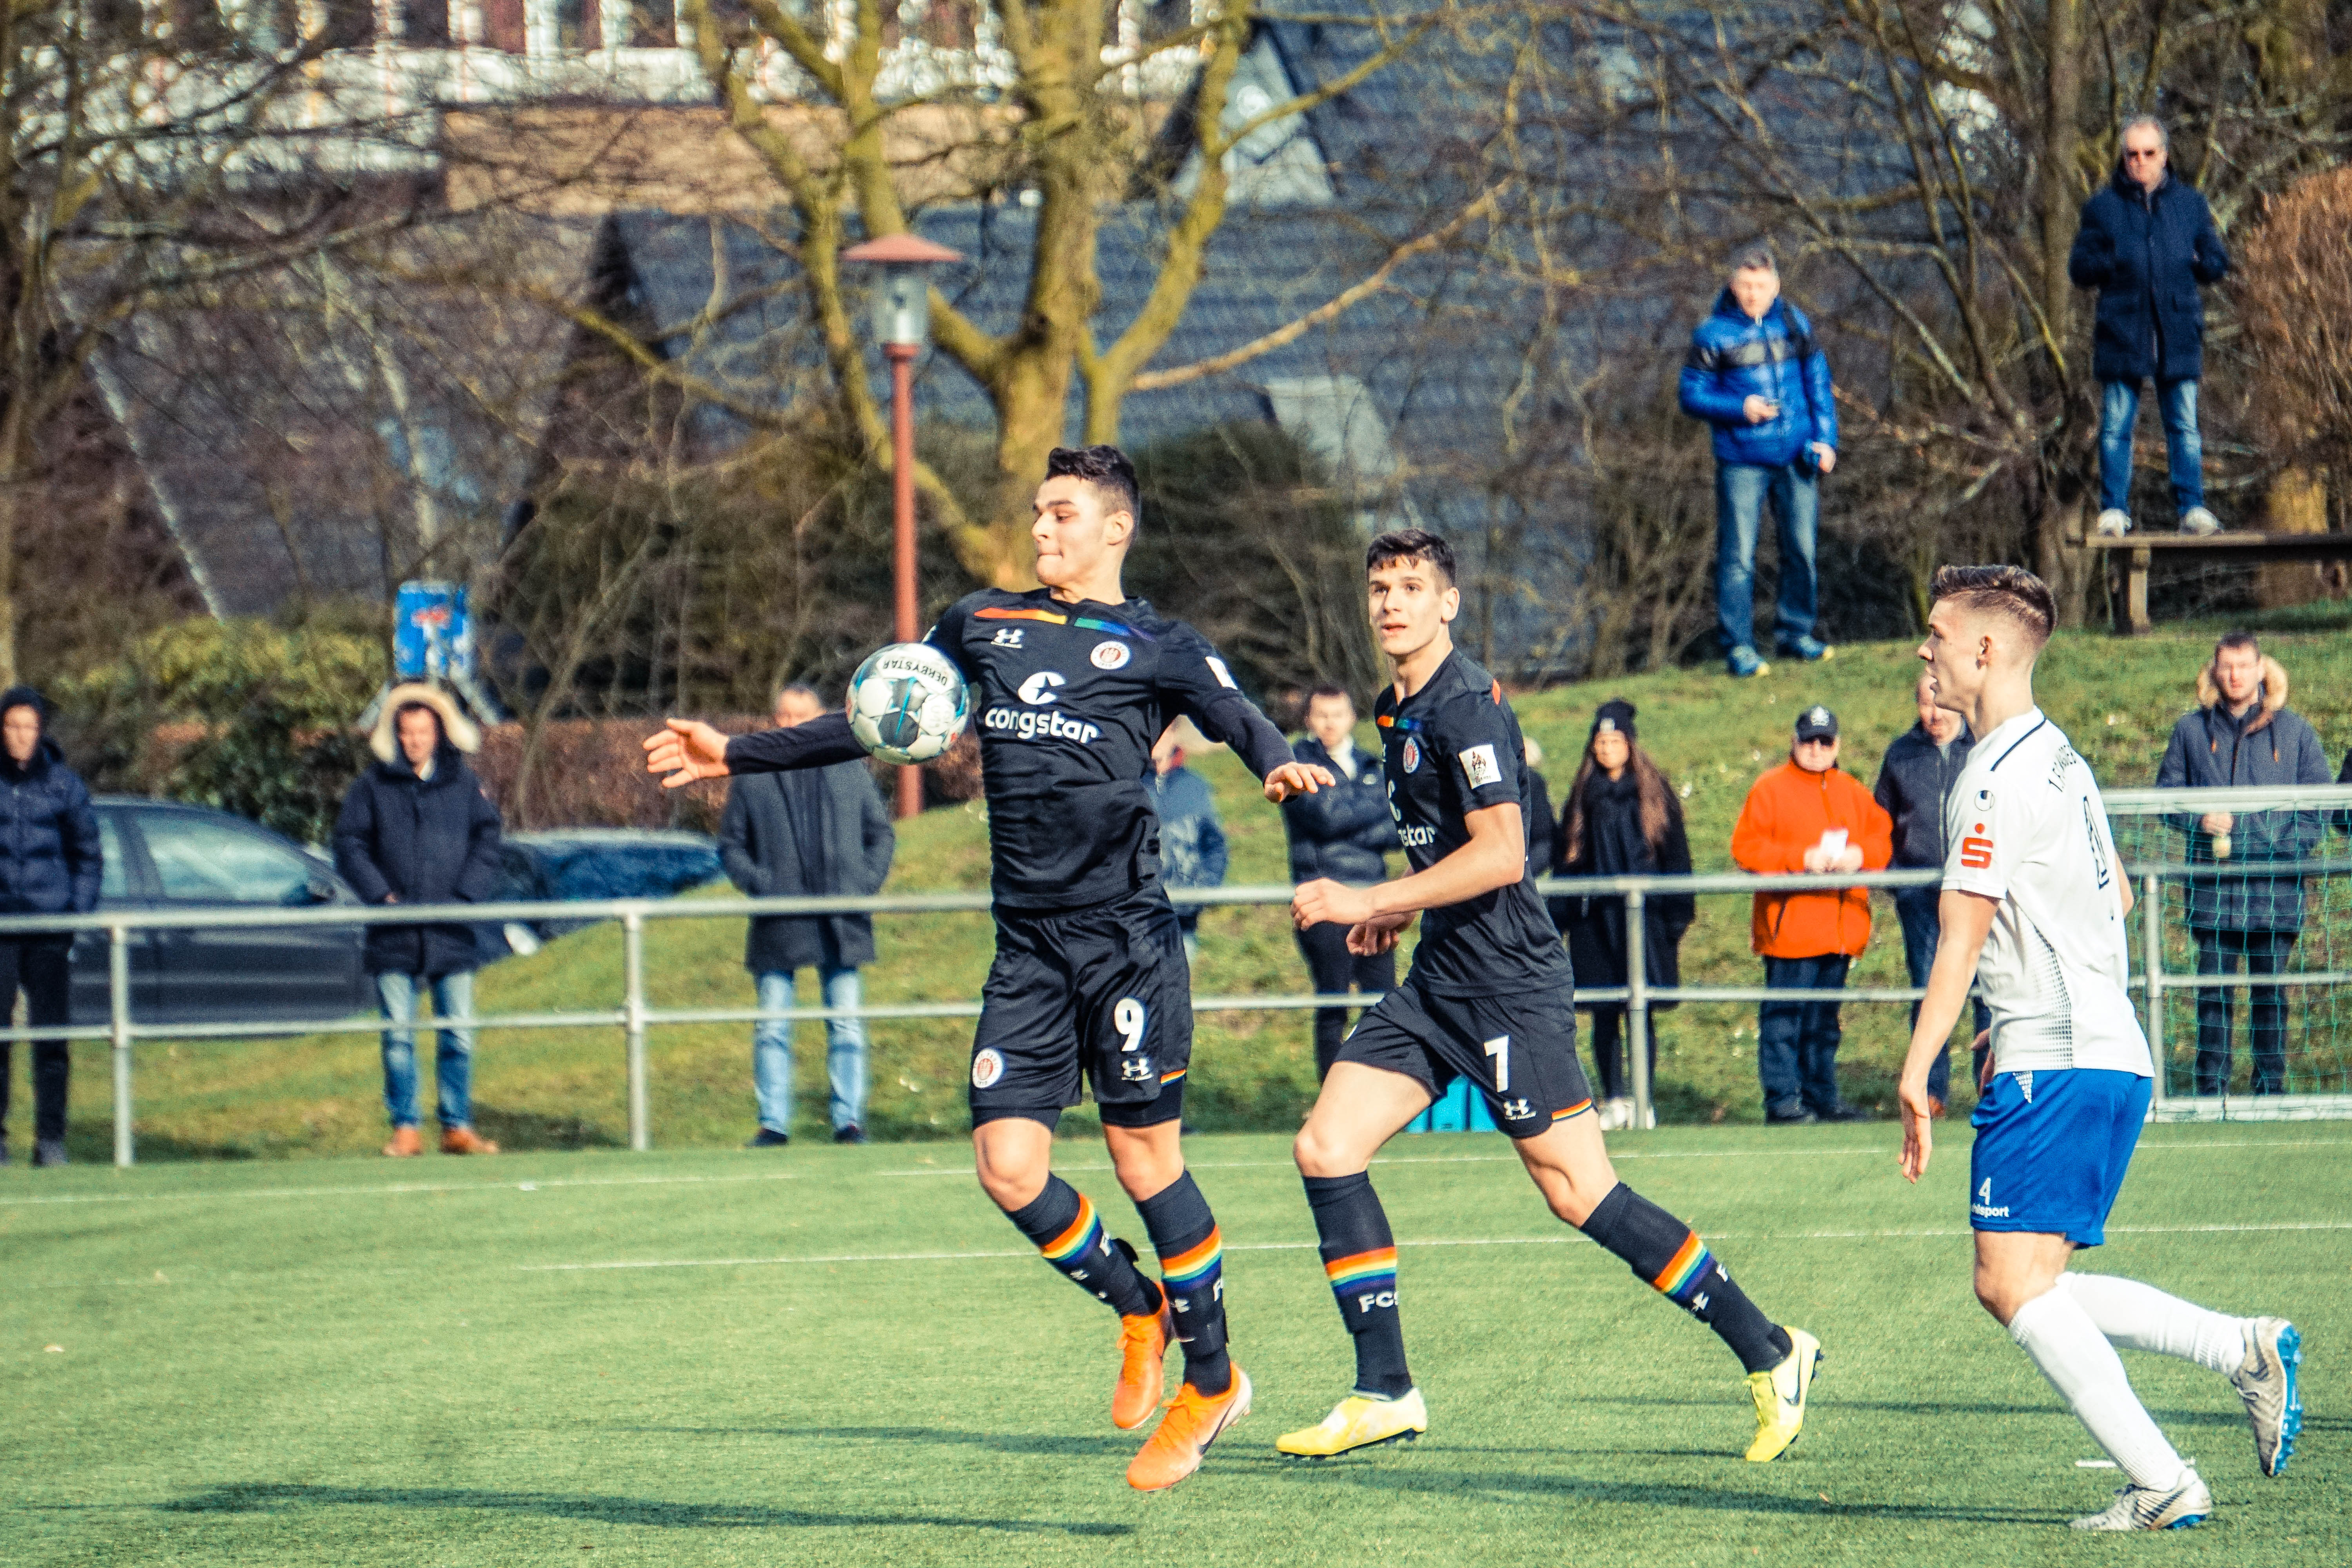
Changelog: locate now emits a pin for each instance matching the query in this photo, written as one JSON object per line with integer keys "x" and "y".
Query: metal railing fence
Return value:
{"x": 634, "y": 1017}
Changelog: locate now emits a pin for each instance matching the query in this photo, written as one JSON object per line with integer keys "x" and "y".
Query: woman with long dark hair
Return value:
{"x": 1621, "y": 819}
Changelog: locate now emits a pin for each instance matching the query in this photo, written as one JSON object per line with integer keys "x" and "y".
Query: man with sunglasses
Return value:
{"x": 2146, "y": 243}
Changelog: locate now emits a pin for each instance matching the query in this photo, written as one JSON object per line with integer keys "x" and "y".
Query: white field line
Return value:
{"x": 1619, "y": 1155}
{"x": 549, "y": 1183}
{"x": 393, "y": 1188}
{"x": 1560, "y": 1238}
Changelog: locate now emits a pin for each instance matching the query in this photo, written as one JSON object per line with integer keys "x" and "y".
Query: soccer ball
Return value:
{"x": 908, "y": 703}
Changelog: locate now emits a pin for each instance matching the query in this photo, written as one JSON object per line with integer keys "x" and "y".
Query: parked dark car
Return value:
{"x": 574, "y": 863}
{"x": 161, "y": 855}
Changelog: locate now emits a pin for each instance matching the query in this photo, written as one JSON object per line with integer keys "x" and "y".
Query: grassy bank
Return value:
{"x": 557, "y": 1088}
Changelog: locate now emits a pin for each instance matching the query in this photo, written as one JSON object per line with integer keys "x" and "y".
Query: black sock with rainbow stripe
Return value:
{"x": 1668, "y": 1256}
{"x": 1359, "y": 1261}
{"x": 1063, "y": 1225}
{"x": 1191, "y": 1272}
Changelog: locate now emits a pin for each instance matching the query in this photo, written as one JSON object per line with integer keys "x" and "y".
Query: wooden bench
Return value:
{"x": 2133, "y": 552}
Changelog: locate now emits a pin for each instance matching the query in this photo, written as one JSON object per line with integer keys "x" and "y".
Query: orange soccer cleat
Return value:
{"x": 1142, "y": 1344}
{"x": 1193, "y": 1421}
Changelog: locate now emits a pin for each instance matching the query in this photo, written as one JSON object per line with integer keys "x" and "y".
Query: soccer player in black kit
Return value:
{"x": 1490, "y": 997}
{"x": 1071, "y": 684}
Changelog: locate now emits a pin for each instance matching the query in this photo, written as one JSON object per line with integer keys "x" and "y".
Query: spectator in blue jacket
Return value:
{"x": 1756, "y": 375}
{"x": 1192, "y": 839}
{"x": 2145, "y": 244}
{"x": 1344, "y": 832}
{"x": 50, "y": 862}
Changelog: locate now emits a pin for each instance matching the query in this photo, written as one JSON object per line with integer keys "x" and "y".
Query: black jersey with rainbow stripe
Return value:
{"x": 1069, "y": 700}
{"x": 1452, "y": 748}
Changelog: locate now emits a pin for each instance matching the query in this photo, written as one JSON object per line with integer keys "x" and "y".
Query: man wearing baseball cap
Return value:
{"x": 1808, "y": 814}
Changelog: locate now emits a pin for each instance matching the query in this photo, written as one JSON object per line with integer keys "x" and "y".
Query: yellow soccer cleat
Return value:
{"x": 1780, "y": 1395}
{"x": 1359, "y": 1422}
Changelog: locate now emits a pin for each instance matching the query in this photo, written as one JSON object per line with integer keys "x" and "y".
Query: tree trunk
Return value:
{"x": 2058, "y": 520}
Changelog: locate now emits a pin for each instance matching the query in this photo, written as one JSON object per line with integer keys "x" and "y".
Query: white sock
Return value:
{"x": 2080, "y": 1363}
{"x": 2136, "y": 1317}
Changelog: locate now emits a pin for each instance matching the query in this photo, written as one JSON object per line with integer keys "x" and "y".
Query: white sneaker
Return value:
{"x": 2144, "y": 1508}
{"x": 2199, "y": 521}
{"x": 1616, "y": 1115}
{"x": 2114, "y": 523}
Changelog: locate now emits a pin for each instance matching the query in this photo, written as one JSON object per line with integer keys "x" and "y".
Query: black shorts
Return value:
{"x": 1102, "y": 992}
{"x": 1520, "y": 1051}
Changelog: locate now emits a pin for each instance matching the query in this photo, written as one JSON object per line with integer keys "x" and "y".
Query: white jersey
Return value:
{"x": 2027, "y": 827}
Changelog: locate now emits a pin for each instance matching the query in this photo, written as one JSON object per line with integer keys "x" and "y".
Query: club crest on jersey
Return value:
{"x": 987, "y": 1067}
{"x": 1111, "y": 656}
{"x": 1410, "y": 755}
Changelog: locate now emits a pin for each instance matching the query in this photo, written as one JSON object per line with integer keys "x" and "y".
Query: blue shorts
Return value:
{"x": 2052, "y": 1164}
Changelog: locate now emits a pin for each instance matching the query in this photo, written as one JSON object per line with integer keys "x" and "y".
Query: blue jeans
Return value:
{"x": 453, "y": 1050}
{"x": 1797, "y": 1042}
{"x": 845, "y": 1058}
{"x": 1742, "y": 490}
{"x": 1922, "y": 926}
{"x": 2184, "y": 448}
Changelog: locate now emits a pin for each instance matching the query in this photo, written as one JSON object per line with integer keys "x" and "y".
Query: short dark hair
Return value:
{"x": 2010, "y": 590}
{"x": 2237, "y": 639}
{"x": 797, "y": 688}
{"x": 1329, "y": 690}
{"x": 1755, "y": 256}
{"x": 440, "y": 730}
{"x": 1106, "y": 468}
{"x": 1411, "y": 544}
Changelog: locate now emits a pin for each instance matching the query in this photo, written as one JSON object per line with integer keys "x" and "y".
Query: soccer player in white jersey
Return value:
{"x": 2033, "y": 906}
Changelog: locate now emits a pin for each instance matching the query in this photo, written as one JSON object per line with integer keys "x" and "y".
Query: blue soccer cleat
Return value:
{"x": 2266, "y": 1382}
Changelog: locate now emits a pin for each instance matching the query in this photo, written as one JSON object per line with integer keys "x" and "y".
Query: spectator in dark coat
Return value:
{"x": 1543, "y": 828}
{"x": 2244, "y": 734}
{"x": 51, "y": 864}
{"x": 1344, "y": 832}
{"x": 418, "y": 829}
{"x": 1756, "y": 374}
{"x": 1621, "y": 819}
{"x": 2146, "y": 242}
{"x": 1192, "y": 839}
{"x": 817, "y": 833}
{"x": 1914, "y": 777}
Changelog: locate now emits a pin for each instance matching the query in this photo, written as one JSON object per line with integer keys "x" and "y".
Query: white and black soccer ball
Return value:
{"x": 908, "y": 703}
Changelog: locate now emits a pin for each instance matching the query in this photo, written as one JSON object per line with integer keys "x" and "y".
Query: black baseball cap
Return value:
{"x": 1817, "y": 723}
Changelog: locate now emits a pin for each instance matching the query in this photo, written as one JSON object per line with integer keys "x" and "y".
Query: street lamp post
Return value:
{"x": 902, "y": 322}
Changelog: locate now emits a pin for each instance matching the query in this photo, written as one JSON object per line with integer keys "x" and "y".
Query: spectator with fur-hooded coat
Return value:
{"x": 2244, "y": 734}
{"x": 417, "y": 828}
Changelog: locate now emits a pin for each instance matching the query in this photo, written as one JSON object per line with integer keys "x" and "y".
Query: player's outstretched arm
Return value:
{"x": 1967, "y": 921}
{"x": 687, "y": 751}
{"x": 1496, "y": 856}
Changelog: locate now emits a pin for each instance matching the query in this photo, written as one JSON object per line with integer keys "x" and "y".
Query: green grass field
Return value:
{"x": 844, "y": 1356}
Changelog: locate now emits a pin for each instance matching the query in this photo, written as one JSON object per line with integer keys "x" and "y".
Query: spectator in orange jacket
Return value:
{"x": 1807, "y": 815}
